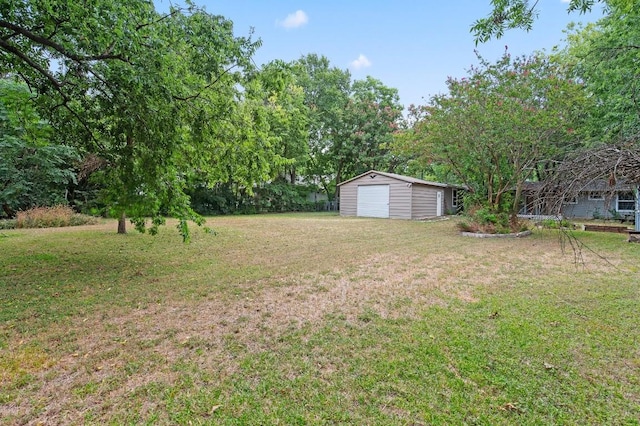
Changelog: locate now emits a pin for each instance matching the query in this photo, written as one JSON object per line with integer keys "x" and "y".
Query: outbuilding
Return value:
{"x": 388, "y": 195}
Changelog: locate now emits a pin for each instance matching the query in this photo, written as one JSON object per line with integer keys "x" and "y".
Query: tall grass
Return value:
{"x": 51, "y": 217}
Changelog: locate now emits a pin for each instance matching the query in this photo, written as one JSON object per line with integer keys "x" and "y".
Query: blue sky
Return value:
{"x": 411, "y": 45}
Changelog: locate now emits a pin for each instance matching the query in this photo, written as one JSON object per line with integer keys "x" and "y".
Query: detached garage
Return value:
{"x": 387, "y": 195}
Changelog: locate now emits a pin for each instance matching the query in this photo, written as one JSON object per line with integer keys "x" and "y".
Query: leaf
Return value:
{"x": 510, "y": 406}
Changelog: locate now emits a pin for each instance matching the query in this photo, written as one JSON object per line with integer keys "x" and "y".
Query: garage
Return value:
{"x": 388, "y": 195}
{"x": 373, "y": 201}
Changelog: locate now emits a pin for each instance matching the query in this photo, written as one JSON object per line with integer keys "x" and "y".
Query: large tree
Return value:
{"x": 605, "y": 57}
{"x": 326, "y": 94}
{"x": 145, "y": 92}
{"x": 287, "y": 115}
{"x": 351, "y": 124}
{"x": 33, "y": 171}
{"x": 369, "y": 121}
{"x": 502, "y": 125}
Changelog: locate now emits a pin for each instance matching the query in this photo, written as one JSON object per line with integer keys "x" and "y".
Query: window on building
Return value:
{"x": 571, "y": 200}
{"x": 597, "y": 196}
{"x": 626, "y": 201}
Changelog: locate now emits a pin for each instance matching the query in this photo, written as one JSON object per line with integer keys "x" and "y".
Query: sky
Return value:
{"x": 411, "y": 45}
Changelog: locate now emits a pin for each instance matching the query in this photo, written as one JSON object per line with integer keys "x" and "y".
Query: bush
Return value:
{"x": 597, "y": 214}
{"x": 50, "y": 217}
{"x": 7, "y": 224}
{"x": 274, "y": 197}
{"x": 487, "y": 221}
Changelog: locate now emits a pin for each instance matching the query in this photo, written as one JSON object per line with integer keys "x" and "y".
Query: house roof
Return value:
{"x": 408, "y": 179}
{"x": 597, "y": 185}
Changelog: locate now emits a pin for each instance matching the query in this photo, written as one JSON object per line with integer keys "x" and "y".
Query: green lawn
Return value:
{"x": 317, "y": 319}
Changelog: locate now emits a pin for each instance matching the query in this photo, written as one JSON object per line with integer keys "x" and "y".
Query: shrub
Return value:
{"x": 615, "y": 215}
{"x": 7, "y": 224}
{"x": 484, "y": 220}
{"x": 50, "y": 217}
{"x": 274, "y": 197}
{"x": 597, "y": 214}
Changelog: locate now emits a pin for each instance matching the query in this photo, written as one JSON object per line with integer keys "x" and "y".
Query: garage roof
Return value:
{"x": 408, "y": 179}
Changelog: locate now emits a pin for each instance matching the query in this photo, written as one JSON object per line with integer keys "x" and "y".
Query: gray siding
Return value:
{"x": 585, "y": 208}
{"x": 424, "y": 201}
{"x": 406, "y": 200}
{"x": 349, "y": 199}
{"x": 399, "y": 199}
{"x": 399, "y": 196}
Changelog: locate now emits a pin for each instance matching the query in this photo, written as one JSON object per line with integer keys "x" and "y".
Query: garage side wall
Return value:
{"x": 424, "y": 201}
{"x": 349, "y": 199}
{"x": 399, "y": 199}
{"x": 399, "y": 196}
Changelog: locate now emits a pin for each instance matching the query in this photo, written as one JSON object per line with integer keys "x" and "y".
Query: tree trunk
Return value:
{"x": 8, "y": 211}
{"x": 516, "y": 200}
{"x": 122, "y": 224}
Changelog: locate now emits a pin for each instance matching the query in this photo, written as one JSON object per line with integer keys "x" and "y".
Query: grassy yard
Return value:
{"x": 317, "y": 319}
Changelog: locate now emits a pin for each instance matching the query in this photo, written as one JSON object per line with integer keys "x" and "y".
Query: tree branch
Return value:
{"x": 162, "y": 18}
{"x": 17, "y": 52}
{"x": 206, "y": 87}
{"x": 59, "y": 48}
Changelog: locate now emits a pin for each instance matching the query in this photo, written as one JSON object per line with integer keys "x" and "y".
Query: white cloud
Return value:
{"x": 565, "y": 1}
{"x": 361, "y": 62}
{"x": 294, "y": 20}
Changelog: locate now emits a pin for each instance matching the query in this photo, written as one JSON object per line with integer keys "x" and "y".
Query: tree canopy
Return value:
{"x": 33, "y": 171}
{"x": 148, "y": 93}
{"x": 502, "y": 124}
{"x": 350, "y": 122}
{"x": 605, "y": 57}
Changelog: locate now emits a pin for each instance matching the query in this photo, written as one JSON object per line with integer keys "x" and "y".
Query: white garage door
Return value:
{"x": 373, "y": 201}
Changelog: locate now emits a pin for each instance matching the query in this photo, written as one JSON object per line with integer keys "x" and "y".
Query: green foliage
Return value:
{"x": 596, "y": 213}
{"x": 32, "y": 171}
{"x": 556, "y": 224}
{"x": 157, "y": 97}
{"x": 7, "y": 224}
{"x": 370, "y": 120}
{"x": 274, "y": 197}
{"x": 605, "y": 56}
{"x": 326, "y": 94}
{"x": 166, "y": 102}
{"x": 489, "y": 221}
{"x": 510, "y": 14}
{"x": 351, "y": 124}
{"x": 286, "y": 115}
{"x": 504, "y": 124}
{"x": 614, "y": 214}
